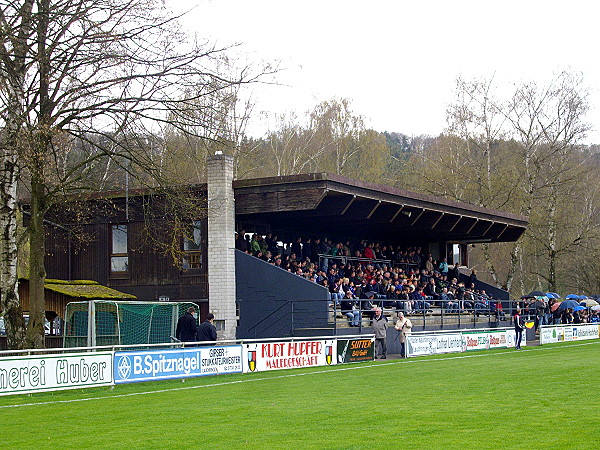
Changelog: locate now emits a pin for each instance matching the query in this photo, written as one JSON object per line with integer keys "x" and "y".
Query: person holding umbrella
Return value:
{"x": 519, "y": 327}
{"x": 541, "y": 307}
{"x": 555, "y": 311}
{"x": 567, "y": 316}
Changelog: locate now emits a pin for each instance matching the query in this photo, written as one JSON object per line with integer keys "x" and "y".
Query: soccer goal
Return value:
{"x": 104, "y": 322}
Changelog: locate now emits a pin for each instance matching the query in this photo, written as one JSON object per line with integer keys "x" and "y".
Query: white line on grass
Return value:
{"x": 336, "y": 369}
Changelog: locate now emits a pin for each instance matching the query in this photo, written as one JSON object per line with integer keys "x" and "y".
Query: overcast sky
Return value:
{"x": 398, "y": 60}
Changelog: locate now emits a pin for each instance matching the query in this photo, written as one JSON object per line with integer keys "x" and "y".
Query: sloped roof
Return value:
{"x": 325, "y": 203}
{"x": 85, "y": 289}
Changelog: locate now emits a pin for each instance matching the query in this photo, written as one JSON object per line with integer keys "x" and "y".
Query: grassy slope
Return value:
{"x": 506, "y": 399}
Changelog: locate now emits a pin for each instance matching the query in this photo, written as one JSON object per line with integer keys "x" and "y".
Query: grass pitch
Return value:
{"x": 540, "y": 397}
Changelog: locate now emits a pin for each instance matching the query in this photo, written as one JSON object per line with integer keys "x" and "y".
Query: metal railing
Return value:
{"x": 435, "y": 317}
{"x": 345, "y": 259}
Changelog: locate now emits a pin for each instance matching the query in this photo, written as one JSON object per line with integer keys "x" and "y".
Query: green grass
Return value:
{"x": 541, "y": 397}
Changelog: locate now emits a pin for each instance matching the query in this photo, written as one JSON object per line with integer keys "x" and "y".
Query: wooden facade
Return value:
{"x": 152, "y": 274}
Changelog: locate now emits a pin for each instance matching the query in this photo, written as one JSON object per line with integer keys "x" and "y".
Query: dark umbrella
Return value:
{"x": 534, "y": 294}
{"x": 566, "y": 304}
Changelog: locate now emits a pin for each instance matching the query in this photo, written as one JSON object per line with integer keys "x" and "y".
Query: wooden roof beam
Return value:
{"x": 348, "y": 205}
{"x": 412, "y": 224}
{"x": 438, "y": 220}
{"x": 397, "y": 212}
{"x": 374, "y": 209}
{"x": 455, "y": 223}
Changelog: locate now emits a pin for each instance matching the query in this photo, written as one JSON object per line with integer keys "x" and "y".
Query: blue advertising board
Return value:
{"x": 152, "y": 365}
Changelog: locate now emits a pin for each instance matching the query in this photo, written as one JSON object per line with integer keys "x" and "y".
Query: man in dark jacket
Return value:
{"x": 207, "y": 331}
{"x": 519, "y": 327}
{"x": 186, "y": 326}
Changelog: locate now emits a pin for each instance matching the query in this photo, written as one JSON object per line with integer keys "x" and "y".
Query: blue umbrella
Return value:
{"x": 552, "y": 295}
{"x": 569, "y": 304}
{"x": 572, "y": 297}
{"x": 579, "y": 308}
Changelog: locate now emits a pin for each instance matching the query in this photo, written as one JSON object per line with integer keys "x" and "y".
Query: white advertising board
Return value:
{"x": 585, "y": 331}
{"x": 571, "y": 332}
{"x": 420, "y": 345}
{"x": 503, "y": 339}
{"x": 21, "y": 375}
{"x": 475, "y": 341}
{"x": 263, "y": 356}
{"x": 549, "y": 335}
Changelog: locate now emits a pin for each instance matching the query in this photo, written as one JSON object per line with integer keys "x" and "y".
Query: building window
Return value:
{"x": 119, "y": 257}
{"x": 192, "y": 247}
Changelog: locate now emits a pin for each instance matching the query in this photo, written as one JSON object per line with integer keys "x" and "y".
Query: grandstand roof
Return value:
{"x": 332, "y": 205}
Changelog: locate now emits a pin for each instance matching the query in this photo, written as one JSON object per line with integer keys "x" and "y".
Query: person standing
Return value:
{"x": 443, "y": 267}
{"x": 541, "y": 308}
{"x": 403, "y": 325}
{"x": 380, "y": 330}
{"x": 519, "y": 327}
{"x": 207, "y": 331}
{"x": 186, "y": 326}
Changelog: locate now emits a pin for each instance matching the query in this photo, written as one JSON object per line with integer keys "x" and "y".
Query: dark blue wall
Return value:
{"x": 493, "y": 291}
{"x": 273, "y": 302}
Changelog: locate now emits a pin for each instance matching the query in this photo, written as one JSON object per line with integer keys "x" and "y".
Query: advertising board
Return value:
{"x": 549, "y": 335}
{"x": 355, "y": 350}
{"x": 585, "y": 331}
{"x": 151, "y": 365}
{"x": 570, "y": 332}
{"x": 27, "y": 374}
{"x": 503, "y": 339}
{"x": 263, "y": 356}
{"x": 420, "y": 345}
{"x": 484, "y": 340}
{"x": 475, "y": 341}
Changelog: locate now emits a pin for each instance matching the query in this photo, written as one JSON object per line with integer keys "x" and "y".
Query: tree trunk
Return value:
{"x": 37, "y": 272}
{"x": 9, "y": 292}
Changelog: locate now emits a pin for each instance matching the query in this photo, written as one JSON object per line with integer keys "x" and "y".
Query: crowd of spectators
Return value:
{"x": 360, "y": 275}
{"x": 546, "y": 313}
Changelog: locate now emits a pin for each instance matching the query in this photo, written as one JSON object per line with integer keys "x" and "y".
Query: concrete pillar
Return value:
{"x": 221, "y": 243}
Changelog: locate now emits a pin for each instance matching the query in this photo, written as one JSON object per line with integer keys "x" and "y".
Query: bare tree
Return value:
{"x": 519, "y": 154}
{"x": 338, "y": 130}
{"x": 15, "y": 36}
{"x": 110, "y": 68}
{"x": 291, "y": 148}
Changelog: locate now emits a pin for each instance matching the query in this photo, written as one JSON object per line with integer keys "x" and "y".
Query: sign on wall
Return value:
{"x": 22, "y": 375}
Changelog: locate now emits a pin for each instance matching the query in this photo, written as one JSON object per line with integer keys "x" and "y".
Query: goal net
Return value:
{"x": 104, "y": 322}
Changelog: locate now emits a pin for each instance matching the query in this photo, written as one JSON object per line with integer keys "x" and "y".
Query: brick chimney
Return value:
{"x": 221, "y": 243}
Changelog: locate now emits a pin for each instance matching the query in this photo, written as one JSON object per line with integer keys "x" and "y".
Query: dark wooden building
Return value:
{"x": 125, "y": 242}
{"x": 130, "y": 241}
